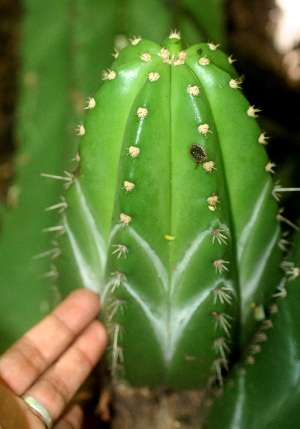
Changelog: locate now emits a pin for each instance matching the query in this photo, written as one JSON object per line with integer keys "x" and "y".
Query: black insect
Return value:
{"x": 199, "y": 51}
{"x": 197, "y": 153}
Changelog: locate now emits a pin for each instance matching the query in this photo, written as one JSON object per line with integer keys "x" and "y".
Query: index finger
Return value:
{"x": 32, "y": 354}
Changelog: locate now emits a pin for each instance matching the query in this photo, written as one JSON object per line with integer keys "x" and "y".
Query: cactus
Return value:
{"x": 170, "y": 214}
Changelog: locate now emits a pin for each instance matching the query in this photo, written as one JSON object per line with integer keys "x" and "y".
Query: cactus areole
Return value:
{"x": 181, "y": 256}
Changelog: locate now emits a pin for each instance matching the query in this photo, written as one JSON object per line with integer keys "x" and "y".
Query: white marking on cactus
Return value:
{"x": 125, "y": 219}
{"x": 178, "y": 62}
{"x": 231, "y": 60}
{"x": 281, "y": 218}
{"x": 80, "y": 130}
{"x": 219, "y": 265}
{"x": 69, "y": 178}
{"x": 213, "y": 200}
{"x": 213, "y": 47}
{"x": 116, "y": 53}
{"x": 145, "y": 57}
{"x": 221, "y": 321}
{"x": 204, "y": 129}
{"x": 223, "y": 295}
{"x": 262, "y": 139}
{"x": 115, "y": 306}
{"x": 209, "y": 166}
{"x": 175, "y": 34}
{"x": 164, "y": 54}
{"x": 216, "y": 233}
{"x": 153, "y": 76}
{"x": 91, "y": 103}
{"x": 135, "y": 40}
{"x": 204, "y": 61}
{"x": 108, "y": 75}
{"x": 142, "y": 112}
{"x": 133, "y": 151}
{"x": 194, "y": 90}
{"x": 121, "y": 249}
{"x": 253, "y": 112}
{"x": 182, "y": 55}
{"x": 119, "y": 277}
{"x": 61, "y": 206}
{"x": 128, "y": 186}
{"x": 269, "y": 167}
{"x": 235, "y": 83}
{"x": 54, "y": 228}
{"x": 220, "y": 347}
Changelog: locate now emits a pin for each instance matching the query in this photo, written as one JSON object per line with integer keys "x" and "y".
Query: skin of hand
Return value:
{"x": 50, "y": 362}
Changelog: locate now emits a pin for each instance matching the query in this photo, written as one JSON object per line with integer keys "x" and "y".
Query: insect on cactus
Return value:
{"x": 170, "y": 216}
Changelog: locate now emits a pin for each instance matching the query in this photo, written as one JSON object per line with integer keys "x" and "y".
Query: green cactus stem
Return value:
{"x": 182, "y": 257}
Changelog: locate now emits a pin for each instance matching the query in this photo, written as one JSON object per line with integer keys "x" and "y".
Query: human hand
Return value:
{"x": 50, "y": 362}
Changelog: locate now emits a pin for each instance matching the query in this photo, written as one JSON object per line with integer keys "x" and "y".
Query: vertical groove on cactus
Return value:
{"x": 170, "y": 216}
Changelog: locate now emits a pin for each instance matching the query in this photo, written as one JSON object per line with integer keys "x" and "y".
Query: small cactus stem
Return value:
{"x": 120, "y": 249}
{"x": 219, "y": 265}
{"x": 252, "y": 111}
{"x": 221, "y": 321}
{"x": 223, "y": 295}
{"x": 91, "y": 103}
{"x": 61, "y": 206}
{"x": 80, "y": 130}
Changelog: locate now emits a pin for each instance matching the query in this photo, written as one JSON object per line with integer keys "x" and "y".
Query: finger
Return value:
{"x": 59, "y": 383}
{"x": 72, "y": 418}
{"x": 30, "y": 356}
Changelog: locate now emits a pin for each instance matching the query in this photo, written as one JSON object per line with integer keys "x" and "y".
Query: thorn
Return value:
{"x": 175, "y": 34}
{"x": 216, "y": 233}
{"x": 217, "y": 367}
{"x": 91, "y": 103}
{"x": 282, "y": 292}
{"x": 182, "y": 55}
{"x": 204, "y": 61}
{"x": 213, "y": 200}
{"x": 281, "y": 218}
{"x": 68, "y": 179}
{"x": 135, "y": 40}
{"x": 277, "y": 189}
{"x": 294, "y": 273}
{"x": 128, "y": 186}
{"x": 220, "y": 347}
{"x": 145, "y": 57}
{"x": 119, "y": 278}
{"x": 222, "y": 294}
{"x": 231, "y": 60}
{"x": 121, "y": 249}
{"x": 252, "y": 112}
{"x": 222, "y": 322}
{"x": 62, "y": 206}
{"x": 164, "y": 54}
{"x": 125, "y": 219}
{"x": 54, "y": 228}
{"x": 153, "y": 76}
{"x": 209, "y": 166}
{"x": 108, "y": 75}
{"x": 55, "y": 252}
{"x": 116, "y": 53}
{"x": 53, "y": 273}
{"x": 283, "y": 243}
{"x": 142, "y": 112}
{"x": 133, "y": 151}
{"x": 236, "y": 83}
{"x": 213, "y": 47}
{"x": 115, "y": 306}
{"x": 204, "y": 129}
{"x": 219, "y": 265}
{"x": 194, "y": 90}
{"x": 262, "y": 139}
{"x": 269, "y": 167}
{"x": 80, "y": 130}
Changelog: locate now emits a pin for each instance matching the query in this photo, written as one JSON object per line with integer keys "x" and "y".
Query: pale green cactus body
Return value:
{"x": 182, "y": 256}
